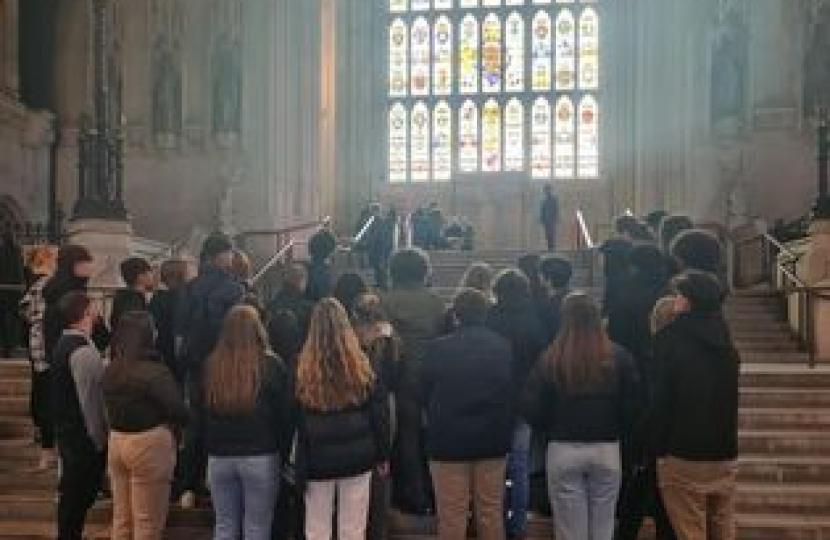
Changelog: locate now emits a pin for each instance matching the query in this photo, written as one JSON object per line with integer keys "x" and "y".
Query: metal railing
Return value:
{"x": 270, "y": 263}
{"x": 781, "y": 274}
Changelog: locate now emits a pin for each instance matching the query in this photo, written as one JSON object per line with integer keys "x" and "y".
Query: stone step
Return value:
{"x": 16, "y": 427}
{"x": 14, "y": 406}
{"x": 789, "y": 499}
{"x": 788, "y": 442}
{"x": 41, "y": 507}
{"x": 785, "y": 397}
{"x": 784, "y": 469}
{"x": 18, "y": 367}
{"x": 22, "y": 530}
{"x": 750, "y": 346}
{"x": 791, "y": 419}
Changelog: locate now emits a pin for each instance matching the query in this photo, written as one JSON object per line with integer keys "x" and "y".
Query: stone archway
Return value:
{"x": 11, "y": 215}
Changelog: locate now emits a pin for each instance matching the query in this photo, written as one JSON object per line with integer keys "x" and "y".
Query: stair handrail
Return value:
{"x": 585, "y": 234}
{"x": 791, "y": 283}
{"x": 364, "y": 230}
{"x": 269, "y": 264}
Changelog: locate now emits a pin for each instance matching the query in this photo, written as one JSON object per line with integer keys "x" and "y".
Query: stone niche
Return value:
{"x": 25, "y": 141}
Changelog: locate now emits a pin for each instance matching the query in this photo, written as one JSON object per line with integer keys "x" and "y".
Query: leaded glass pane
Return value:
{"x": 514, "y": 141}
{"x": 397, "y": 143}
{"x": 419, "y": 163}
{"x": 468, "y": 137}
{"x": 491, "y": 137}
{"x": 514, "y": 70}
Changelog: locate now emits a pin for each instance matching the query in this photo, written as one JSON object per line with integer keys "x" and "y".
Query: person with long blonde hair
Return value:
{"x": 343, "y": 425}
{"x": 583, "y": 396}
{"x": 246, "y": 401}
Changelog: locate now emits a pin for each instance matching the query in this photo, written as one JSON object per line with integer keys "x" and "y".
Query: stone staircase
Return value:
{"x": 784, "y": 490}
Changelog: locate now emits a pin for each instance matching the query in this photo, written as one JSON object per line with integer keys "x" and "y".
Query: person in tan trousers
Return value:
{"x": 145, "y": 409}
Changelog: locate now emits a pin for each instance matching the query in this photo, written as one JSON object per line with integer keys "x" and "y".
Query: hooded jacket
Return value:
{"x": 695, "y": 409}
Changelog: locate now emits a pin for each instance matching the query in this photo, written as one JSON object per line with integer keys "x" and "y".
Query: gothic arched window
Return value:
{"x": 494, "y": 87}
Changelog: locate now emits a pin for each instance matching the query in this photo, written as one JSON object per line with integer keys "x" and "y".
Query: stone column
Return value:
{"x": 9, "y": 25}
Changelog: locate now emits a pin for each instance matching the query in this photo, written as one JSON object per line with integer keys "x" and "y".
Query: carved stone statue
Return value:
{"x": 817, "y": 62}
{"x": 167, "y": 93}
{"x": 227, "y": 86}
{"x": 730, "y": 62}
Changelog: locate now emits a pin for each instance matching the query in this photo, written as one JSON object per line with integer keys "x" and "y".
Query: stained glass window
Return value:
{"x": 491, "y": 136}
{"x": 482, "y": 87}
{"x": 565, "y": 50}
{"x": 468, "y": 137}
{"x": 442, "y": 51}
{"x": 589, "y": 50}
{"x": 541, "y": 51}
{"x": 468, "y": 56}
{"x": 397, "y": 143}
{"x": 588, "y": 137}
{"x": 419, "y": 163}
{"x": 514, "y": 136}
{"x": 514, "y": 69}
{"x": 442, "y": 142}
{"x": 398, "y": 59}
{"x": 491, "y": 55}
{"x": 564, "y": 139}
{"x": 540, "y": 133}
{"x": 420, "y": 57}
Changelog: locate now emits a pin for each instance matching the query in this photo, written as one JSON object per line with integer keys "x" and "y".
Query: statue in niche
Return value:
{"x": 167, "y": 98}
{"x": 730, "y": 64}
{"x": 817, "y": 62}
{"x": 227, "y": 85}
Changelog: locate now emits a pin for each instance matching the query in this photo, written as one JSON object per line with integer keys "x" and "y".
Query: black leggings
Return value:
{"x": 82, "y": 473}
{"x": 40, "y": 406}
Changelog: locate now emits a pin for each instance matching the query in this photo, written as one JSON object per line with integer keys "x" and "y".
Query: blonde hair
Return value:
{"x": 41, "y": 258}
{"x": 580, "y": 358}
{"x": 236, "y": 368}
{"x": 663, "y": 314}
{"x": 333, "y": 372}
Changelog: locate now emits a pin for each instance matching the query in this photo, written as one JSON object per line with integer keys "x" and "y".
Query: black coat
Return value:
{"x": 466, "y": 381}
{"x": 521, "y": 326}
{"x": 126, "y": 300}
{"x": 606, "y": 414}
{"x": 695, "y": 410}
{"x": 346, "y": 442}
{"x": 53, "y": 323}
{"x": 163, "y": 309}
{"x": 629, "y": 318}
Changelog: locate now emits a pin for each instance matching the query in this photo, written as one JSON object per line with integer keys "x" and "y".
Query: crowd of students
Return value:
{"x": 325, "y": 406}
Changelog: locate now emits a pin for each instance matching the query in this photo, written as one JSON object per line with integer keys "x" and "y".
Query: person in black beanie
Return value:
{"x": 140, "y": 280}
{"x": 206, "y": 301}
{"x": 695, "y": 411}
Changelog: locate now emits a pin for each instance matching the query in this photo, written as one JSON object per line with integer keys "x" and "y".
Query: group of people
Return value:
{"x": 325, "y": 406}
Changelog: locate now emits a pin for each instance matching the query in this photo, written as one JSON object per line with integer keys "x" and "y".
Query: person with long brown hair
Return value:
{"x": 145, "y": 410}
{"x": 583, "y": 395}
{"x": 343, "y": 425}
{"x": 246, "y": 401}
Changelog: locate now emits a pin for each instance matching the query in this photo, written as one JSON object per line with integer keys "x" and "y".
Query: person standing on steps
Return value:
{"x": 140, "y": 280}
{"x": 80, "y": 420}
{"x": 146, "y": 411}
{"x": 207, "y": 300}
{"x": 12, "y": 280}
{"x": 549, "y": 217}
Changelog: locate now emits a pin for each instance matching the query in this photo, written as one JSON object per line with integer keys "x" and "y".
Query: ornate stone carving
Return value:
{"x": 226, "y": 67}
{"x": 167, "y": 69}
{"x": 817, "y": 57}
{"x": 730, "y": 64}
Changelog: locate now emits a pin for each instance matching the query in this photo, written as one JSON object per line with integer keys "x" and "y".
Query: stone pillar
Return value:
{"x": 9, "y": 26}
{"x": 109, "y": 243}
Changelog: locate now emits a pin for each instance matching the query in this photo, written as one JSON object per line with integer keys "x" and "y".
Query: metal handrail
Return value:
{"x": 583, "y": 229}
{"x": 278, "y": 256}
{"x": 326, "y": 221}
{"x": 364, "y": 230}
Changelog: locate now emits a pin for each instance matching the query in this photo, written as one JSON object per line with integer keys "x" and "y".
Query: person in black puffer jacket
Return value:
{"x": 695, "y": 411}
{"x": 343, "y": 425}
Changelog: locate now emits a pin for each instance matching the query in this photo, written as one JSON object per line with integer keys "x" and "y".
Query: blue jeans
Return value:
{"x": 244, "y": 492}
{"x": 583, "y": 484}
{"x": 518, "y": 481}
